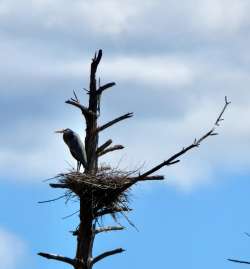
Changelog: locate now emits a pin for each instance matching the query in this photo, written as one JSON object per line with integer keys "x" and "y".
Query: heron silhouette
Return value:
{"x": 75, "y": 145}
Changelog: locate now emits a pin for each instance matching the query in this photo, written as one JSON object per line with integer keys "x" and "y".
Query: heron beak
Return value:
{"x": 60, "y": 131}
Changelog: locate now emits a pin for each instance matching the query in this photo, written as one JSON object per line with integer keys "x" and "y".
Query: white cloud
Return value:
{"x": 170, "y": 51}
{"x": 105, "y": 17}
{"x": 156, "y": 70}
{"x": 112, "y": 19}
{"x": 12, "y": 249}
{"x": 223, "y": 16}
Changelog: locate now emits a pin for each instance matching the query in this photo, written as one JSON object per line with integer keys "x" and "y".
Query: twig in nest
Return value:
{"x": 68, "y": 216}
{"x": 52, "y": 200}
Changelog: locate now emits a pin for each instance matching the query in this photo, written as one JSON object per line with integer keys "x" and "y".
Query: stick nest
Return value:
{"x": 107, "y": 189}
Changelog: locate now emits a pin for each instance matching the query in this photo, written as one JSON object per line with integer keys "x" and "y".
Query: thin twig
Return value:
{"x": 68, "y": 216}
{"x": 129, "y": 221}
{"x": 110, "y": 123}
{"x": 76, "y": 98}
{"x": 238, "y": 261}
{"x": 52, "y": 200}
{"x": 219, "y": 119}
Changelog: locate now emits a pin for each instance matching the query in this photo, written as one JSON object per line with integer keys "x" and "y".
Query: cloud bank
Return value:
{"x": 173, "y": 65}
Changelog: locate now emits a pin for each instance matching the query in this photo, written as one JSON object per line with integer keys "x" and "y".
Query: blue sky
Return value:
{"x": 173, "y": 64}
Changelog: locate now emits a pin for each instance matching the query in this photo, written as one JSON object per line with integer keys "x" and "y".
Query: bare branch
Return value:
{"x": 155, "y": 177}
{"x": 105, "y": 87}
{"x": 76, "y": 98}
{"x": 111, "y": 211}
{"x": 103, "y": 146}
{"x": 168, "y": 162}
{"x": 110, "y": 123}
{"x": 174, "y": 159}
{"x": 85, "y": 111}
{"x": 238, "y": 261}
{"x": 116, "y": 147}
{"x": 106, "y": 254}
{"x": 59, "y": 185}
{"x": 109, "y": 229}
{"x": 219, "y": 119}
{"x": 58, "y": 258}
{"x": 86, "y": 90}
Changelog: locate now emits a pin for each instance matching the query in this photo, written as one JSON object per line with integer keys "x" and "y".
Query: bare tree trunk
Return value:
{"x": 86, "y": 233}
{"x": 84, "y": 238}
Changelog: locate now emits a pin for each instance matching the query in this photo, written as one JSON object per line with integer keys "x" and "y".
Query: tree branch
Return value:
{"x": 116, "y": 147}
{"x": 103, "y": 146}
{"x": 219, "y": 119}
{"x": 110, "y": 123}
{"x": 108, "y": 229}
{"x": 174, "y": 159}
{"x": 58, "y": 258}
{"x": 155, "y": 177}
{"x": 112, "y": 211}
{"x": 238, "y": 261}
{"x": 106, "y": 254}
{"x": 59, "y": 185}
{"x": 85, "y": 111}
{"x": 105, "y": 87}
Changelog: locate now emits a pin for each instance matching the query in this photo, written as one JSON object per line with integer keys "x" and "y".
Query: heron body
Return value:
{"x": 76, "y": 147}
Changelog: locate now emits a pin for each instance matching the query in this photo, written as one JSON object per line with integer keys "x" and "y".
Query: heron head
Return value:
{"x": 64, "y": 131}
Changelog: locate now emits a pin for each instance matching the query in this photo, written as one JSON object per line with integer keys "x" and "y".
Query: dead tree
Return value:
{"x": 103, "y": 190}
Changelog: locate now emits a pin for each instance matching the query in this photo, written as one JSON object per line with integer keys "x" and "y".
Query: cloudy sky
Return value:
{"x": 173, "y": 63}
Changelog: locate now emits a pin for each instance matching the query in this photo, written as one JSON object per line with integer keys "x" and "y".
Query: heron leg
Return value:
{"x": 78, "y": 166}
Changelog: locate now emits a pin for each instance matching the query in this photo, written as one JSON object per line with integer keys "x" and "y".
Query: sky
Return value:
{"x": 173, "y": 64}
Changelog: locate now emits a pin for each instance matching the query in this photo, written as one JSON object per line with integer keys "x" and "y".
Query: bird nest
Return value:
{"x": 105, "y": 190}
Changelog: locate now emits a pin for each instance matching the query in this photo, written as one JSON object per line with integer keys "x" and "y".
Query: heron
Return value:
{"x": 75, "y": 145}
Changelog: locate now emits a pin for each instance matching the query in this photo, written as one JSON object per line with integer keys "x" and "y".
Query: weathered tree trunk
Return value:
{"x": 86, "y": 234}
{"x": 84, "y": 238}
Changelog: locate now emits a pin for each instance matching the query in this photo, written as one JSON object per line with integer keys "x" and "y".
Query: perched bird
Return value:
{"x": 76, "y": 146}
